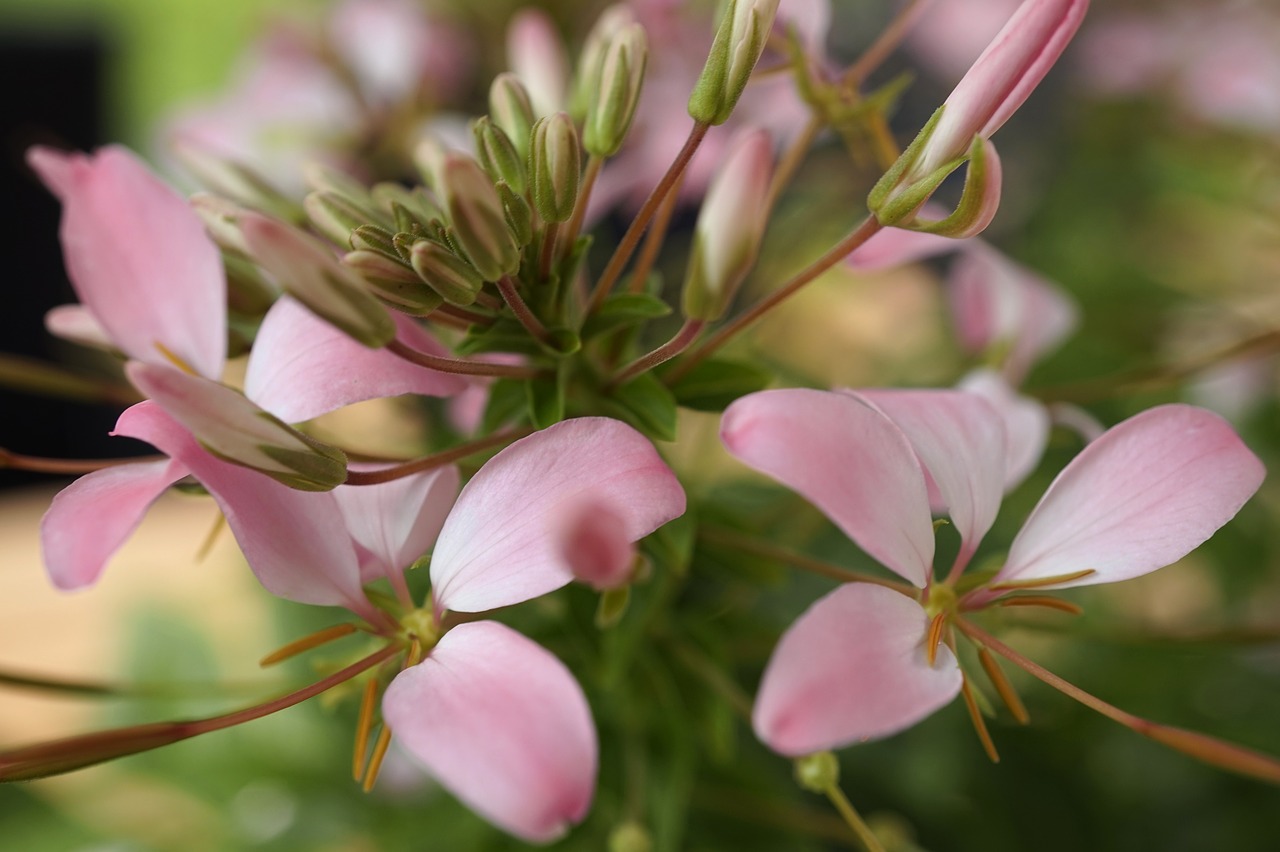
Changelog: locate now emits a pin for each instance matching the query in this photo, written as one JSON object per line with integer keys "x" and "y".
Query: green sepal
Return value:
{"x": 713, "y": 384}
{"x": 961, "y": 221}
{"x": 646, "y": 404}
{"x": 622, "y": 310}
{"x": 321, "y": 470}
{"x": 706, "y": 101}
{"x": 889, "y": 181}
{"x": 612, "y": 606}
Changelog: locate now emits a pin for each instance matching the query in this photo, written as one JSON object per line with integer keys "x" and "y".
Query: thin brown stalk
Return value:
{"x": 65, "y": 467}
{"x": 673, "y": 347}
{"x": 460, "y": 366}
{"x": 375, "y": 477}
{"x": 533, "y": 325}
{"x": 592, "y": 172}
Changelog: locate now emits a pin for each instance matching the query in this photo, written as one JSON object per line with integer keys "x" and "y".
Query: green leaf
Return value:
{"x": 545, "y": 398}
{"x": 671, "y": 545}
{"x": 713, "y": 384}
{"x": 624, "y": 309}
{"x": 507, "y": 402}
{"x": 646, "y": 404}
{"x": 505, "y": 335}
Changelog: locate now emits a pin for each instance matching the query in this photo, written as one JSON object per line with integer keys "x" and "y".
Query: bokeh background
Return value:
{"x": 1142, "y": 178}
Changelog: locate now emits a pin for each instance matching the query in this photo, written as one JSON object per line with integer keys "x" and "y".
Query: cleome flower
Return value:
{"x": 869, "y": 660}
{"x": 494, "y": 717}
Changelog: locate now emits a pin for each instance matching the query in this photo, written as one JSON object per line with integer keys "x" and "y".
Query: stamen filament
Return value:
{"x": 374, "y": 477}
{"x": 1041, "y": 582}
{"x": 1202, "y": 747}
{"x": 934, "y": 637}
{"x": 729, "y": 538}
{"x": 979, "y": 726}
{"x": 1007, "y": 693}
{"x": 306, "y": 643}
{"x": 211, "y": 538}
{"x": 364, "y": 726}
{"x": 1045, "y": 601}
{"x": 375, "y": 761}
{"x": 65, "y": 467}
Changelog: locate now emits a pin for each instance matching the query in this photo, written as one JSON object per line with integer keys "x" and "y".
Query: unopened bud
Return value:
{"x": 556, "y": 166}
{"x": 478, "y": 219}
{"x": 818, "y": 772}
{"x": 221, "y": 219}
{"x": 235, "y": 430}
{"x": 416, "y": 201}
{"x": 234, "y": 180}
{"x": 519, "y": 214}
{"x": 739, "y": 41}
{"x": 630, "y": 836}
{"x": 393, "y": 281}
{"x": 322, "y": 177}
{"x": 334, "y": 216}
{"x": 444, "y": 272}
{"x": 512, "y": 110}
{"x": 730, "y": 227}
{"x": 429, "y": 156}
{"x": 307, "y": 270}
{"x": 498, "y": 154}
{"x": 373, "y": 238}
{"x": 586, "y": 82}
{"x": 614, "y": 102}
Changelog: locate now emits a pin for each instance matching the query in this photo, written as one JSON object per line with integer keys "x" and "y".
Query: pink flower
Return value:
{"x": 857, "y": 665}
{"x": 497, "y": 719}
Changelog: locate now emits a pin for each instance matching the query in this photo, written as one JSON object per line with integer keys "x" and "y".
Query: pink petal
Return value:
{"x": 77, "y": 324}
{"x": 295, "y": 542}
{"x": 847, "y": 459}
{"x": 139, "y": 257}
{"x": 594, "y": 544}
{"x": 1003, "y": 77}
{"x": 960, "y": 441}
{"x": 499, "y": 545}
{"x": 398, "y": 521}
{"x": 537, "y": 56}
{"x": 503, "y": 725}
{"x": 1026, "y": 423}
{"x": 302, "y": 366}
{"x": 996, "y": 301}
{"x": 897, "y": 247}
{"x": 92, "y": 517}
{"x": 852, "y": 668}
{"x": 1145, "y": 494}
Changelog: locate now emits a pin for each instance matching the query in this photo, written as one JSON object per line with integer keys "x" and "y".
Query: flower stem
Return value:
{"x": 632, "y": 237}
{"x": 592, "y": 172}
{"x": 851, "y": 816}
{"x": 885, "y": 44}
{"x": 548, "y": 250}
{"x": 728, "y": 538}
{"x": 673, "y": 347}
{"x": 834, "y": 255}
{"x": 531, "y": 323}
{"x": 66, "y": 755}
{"x": 653, "y": 242}
{"x": 1208, "y": 749}
{"x": 375, "y": 477}
{"x": 460, "y": 366}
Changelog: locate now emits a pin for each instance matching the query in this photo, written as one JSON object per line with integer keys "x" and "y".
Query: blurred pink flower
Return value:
{"x": 856, "y": 665}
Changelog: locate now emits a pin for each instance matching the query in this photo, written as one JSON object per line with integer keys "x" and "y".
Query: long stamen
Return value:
{"x": 934, "y": 637}
{"x": 375, "y": 761}
{"x": 979, "y": 726}
{"x": 1213, "y": 751}
{"x": 1041, "y": 582}
{"x": 306, "y": 643}
{"x": 1044, "y": 601}
{"x": 1002, "y": 685}
{"x": 65, "y": 467}
{"x": 211, "y": 538}
{"x": 364, "y": 725}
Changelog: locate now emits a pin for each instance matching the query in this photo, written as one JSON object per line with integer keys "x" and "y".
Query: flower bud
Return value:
{"x": 730, "y": 227}
{"x": 234, "y": 180}
{"x": 334, "y": 216}
{"x": 393, "y": 282}
{"x": 307, "y": 270}
{"x": 428, "y": 156}
{"x": 511, "y": 109}
{"x": 586, "y": 82}
{"x": 478, "y": 219}
{"x": 518, "y": 214}
{"x": 556, "y": 166}
{"x": 444, "y": 272}
{"x": 739, "y": 41}
{"x": 373, "y": 238}
{"x": 498, "y": 155}
{"x": 613, "y": 103}
{"x": 221, "y": 219}
{"x": 235, "y": 430}
{"x": 387, "y": 196}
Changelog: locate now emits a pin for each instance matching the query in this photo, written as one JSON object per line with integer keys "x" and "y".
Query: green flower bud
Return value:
{"x": 334, "y": 216}
{"x": 518, "y": 213}
{"x": 393, "y": 281}
{"x": 308, "y": 271}
{"x": 739, "y": 41}
{"x": 818, "y": 772}
{"x": 237, "y": 182}
{"x": 477, "y": 217}
{"x": 221, "y": 219}
{"x": 614, "y": 103}
{"x": 449, "y": 275}
{"x": 373, "y": 238}
{"x": 556, "y": 166}
{"x": 498, "y": 155}
{"x": 586, "y": 82}
{"x": 512, "y": 110}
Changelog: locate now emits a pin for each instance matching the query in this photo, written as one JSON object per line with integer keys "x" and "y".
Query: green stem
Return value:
{"x": 834, "y": 255}
{"x": 850, "y": 814}
{"x": 632, "y": 237}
